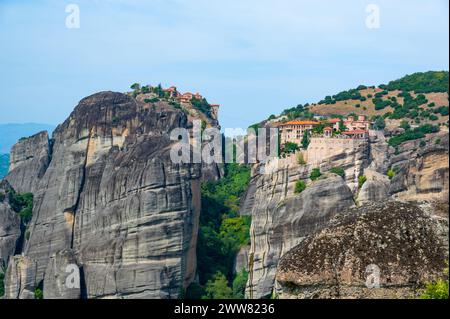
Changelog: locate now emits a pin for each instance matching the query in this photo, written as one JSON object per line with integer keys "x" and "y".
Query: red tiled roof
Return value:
{"x": 334, "y": 121}
{"x": 299, "y": 122}
{"x": 328, "y": 128}
{"x": 354, "y": 132}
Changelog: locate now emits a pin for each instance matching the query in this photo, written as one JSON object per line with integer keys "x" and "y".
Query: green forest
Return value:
{"x": 221, "y": 235}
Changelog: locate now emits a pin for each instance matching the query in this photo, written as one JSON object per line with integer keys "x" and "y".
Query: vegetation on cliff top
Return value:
{"x": 413, "y": 134}
{"x": 421, "y": 82}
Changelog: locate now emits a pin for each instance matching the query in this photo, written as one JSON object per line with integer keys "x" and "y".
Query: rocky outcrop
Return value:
{"x": 373, "y": 191}
{"x": 112, "y": 195}
{"x": 20, "y": 278}
{"x": 29, "y": 160}
{"x": 381, "y": 250}
{"x": 281, "y": 218}
{"x": 423, "y": 173}
{"x": 278, "y": 220}
{"x": 9, "y": 226}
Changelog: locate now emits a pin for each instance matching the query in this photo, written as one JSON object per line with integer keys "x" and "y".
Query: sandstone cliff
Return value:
{"x": 106, "y": 190}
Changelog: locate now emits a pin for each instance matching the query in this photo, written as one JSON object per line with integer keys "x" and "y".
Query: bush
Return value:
{"x": 315, "y": 174}
{"x": 433, "y": 117}
{"x": 202, "y": 105}
{"x": 115, "y": 120}
{"x": 301, "y": 159}
{"x": 438, "y": 141}
{"x": 391, "y": 173}
{"x": 300, "y": 186}
{"x": 379, "y": 123}
{"x": 414, "y": 134}
{"x": 405, "y": 125}
{"x": 152, "y": 100}
{"x": 437, "y": 289}
{"x": 22, "y": 204}
{"x": 422, "y": 143}
{"x": 361, "y": 181}
{"x": 290, "y": 147}
{"x": 38, "y": 294}
{"x": 443, "y": 110}
{"x": 338, "y": 171}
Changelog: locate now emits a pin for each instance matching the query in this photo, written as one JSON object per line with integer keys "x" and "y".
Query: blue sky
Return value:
{"x": 254, "y": 57}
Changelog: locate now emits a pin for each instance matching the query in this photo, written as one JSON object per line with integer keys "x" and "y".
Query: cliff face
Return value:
{"x": 423, "y": 171}
{"x": 281, "y": 219}
{"x": 9, "y": 225}
{"x": 29, "y": 160}
{"x": 393, "y": 247}
{"x": 111, "y": 194}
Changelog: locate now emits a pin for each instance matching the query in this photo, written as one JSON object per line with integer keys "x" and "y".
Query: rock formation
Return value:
{"x": 281, "y": 219}
{"x": 20, "y": 278}
{"x": 394, "y": 247}
{"x": 423, "y": 172}
{"x": 106, "y": 190}
{"x": 29, "y": 160}
{"x": 9, "y": 226}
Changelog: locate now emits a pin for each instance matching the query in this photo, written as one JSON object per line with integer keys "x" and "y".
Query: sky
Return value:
{"x": 253, "y": 57}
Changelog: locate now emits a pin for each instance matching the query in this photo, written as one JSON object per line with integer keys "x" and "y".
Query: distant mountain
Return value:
{"x": 11, "y": 133}
{"x": 4, "y": 164}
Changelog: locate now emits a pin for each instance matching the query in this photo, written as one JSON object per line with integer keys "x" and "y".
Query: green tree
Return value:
{"x": 405, "y": 125}
{"x": 305, "y": 139}
{"x": 290, "y": 147}
{"x": 379, "y": 123}
{"x": 135, "y": 86}
{"x": 217, "y": 288}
